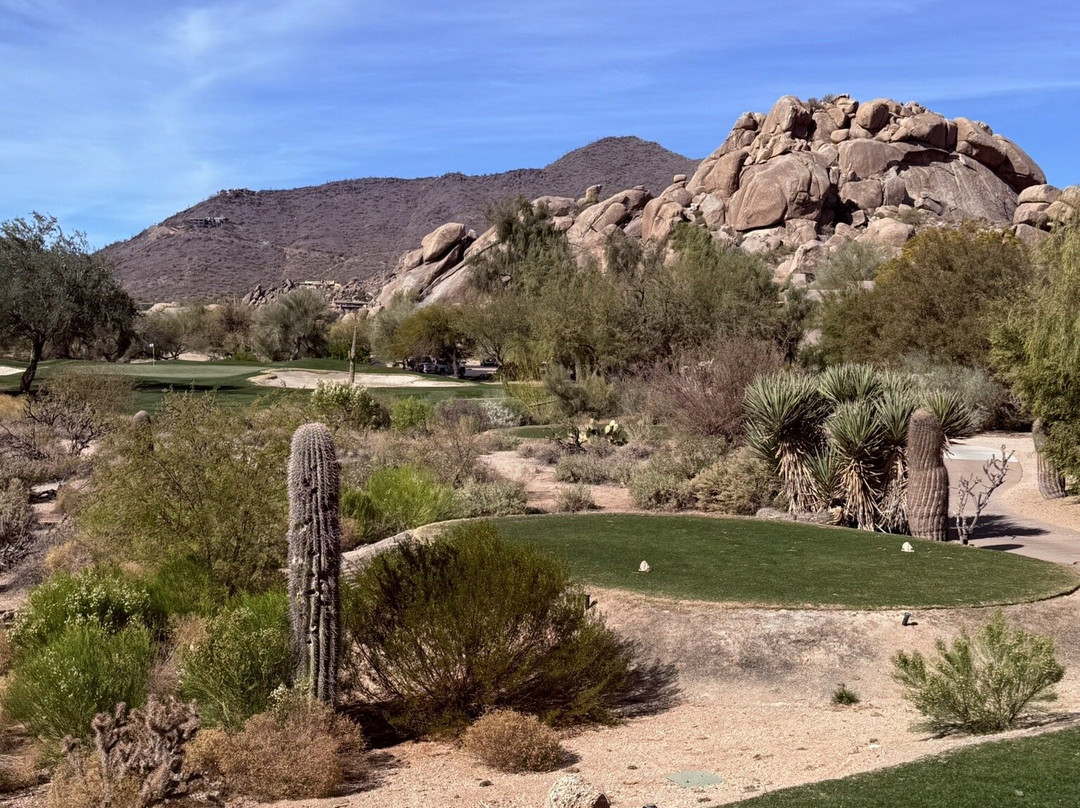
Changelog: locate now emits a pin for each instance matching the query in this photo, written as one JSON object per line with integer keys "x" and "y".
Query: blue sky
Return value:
{"x": 117, "y": 114}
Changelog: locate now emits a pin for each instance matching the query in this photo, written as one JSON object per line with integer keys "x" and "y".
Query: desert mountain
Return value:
{"x": 237, "y": 239}
{"x": 802, "y": 180}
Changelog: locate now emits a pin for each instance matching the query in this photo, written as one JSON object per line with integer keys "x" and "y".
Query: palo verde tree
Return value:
{"x": 54, "y": 293}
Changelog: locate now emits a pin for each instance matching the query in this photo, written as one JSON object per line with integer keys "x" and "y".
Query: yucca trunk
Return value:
{"x": 315, "y": 560}
{"x": 928, "y": 479}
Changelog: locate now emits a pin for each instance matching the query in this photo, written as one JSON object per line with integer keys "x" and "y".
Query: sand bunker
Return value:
{"x": 307, "y": 379}
{"x": 9, "y": 371}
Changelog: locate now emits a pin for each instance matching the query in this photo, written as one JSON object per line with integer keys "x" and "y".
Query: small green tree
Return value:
{"x": 55, "y": 292}
{"x": 295, "y": 327}
{"x": 982, "y": 683}
{"x": 1037, "y": 348}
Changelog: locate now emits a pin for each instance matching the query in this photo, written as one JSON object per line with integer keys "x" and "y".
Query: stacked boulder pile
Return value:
{"x": 800, "y": 181}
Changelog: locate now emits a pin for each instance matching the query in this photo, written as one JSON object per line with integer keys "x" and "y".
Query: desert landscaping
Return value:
{"x": 643, "y": 481}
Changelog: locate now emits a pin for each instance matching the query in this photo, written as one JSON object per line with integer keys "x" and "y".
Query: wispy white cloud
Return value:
{"x": 120, "y": 113}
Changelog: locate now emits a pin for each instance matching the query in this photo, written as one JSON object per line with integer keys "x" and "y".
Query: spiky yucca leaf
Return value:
{"x": 849, "y": 382}
{"x": 785, "y": 414}
{"x": 824, "y": 469}
{"x": 857, "y": 438}
{"x": 952, "y": 413}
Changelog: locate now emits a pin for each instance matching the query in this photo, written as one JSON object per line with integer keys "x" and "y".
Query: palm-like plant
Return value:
{"x": 840, "y": 437}
{"x": 786, "y": 415}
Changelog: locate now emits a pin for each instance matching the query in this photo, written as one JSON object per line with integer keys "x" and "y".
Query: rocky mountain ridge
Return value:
{"x": 352, "y": 230}
{"x": 803, "y": 179}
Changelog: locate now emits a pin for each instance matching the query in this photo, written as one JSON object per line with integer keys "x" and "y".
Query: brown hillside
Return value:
{"x": 353, "y": 228}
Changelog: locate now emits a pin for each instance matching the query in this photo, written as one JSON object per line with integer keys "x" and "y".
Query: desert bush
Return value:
{"x": 450, "y": 450}
{"x": 844, "y": 696}
{"x": 701, "y": 392}
{"x": 340, "y": 338}
{"x": 341, "y": 404}
{"x": 738, "y": 483}
{"x": 104, "y": 599}
{"x": 413, "y": 614}
{"x": 510, "y": 741}
{"x": 547, "y": 452}
{"x": 990, "y": 403}
{"x": 87, "y": 669}
{"x": 455, "y": 411}
{"x": 397, "y": 499}
{"x": 498, "y": 441}
{"x": 664, "y": 483}
{"x": 849, "y": 265}
{"x": 409, "y": 413}
{"x": 211, "y": 490}
{"x": 137, "y": 761}
{"x": 16, "y": 522}
{"x": 982, "y": 683}
{"x": 574, "y": 499}
{"x": 496, "y": 498}
{"x": 591, "y": 468}
{"x": 241, "y": 660}
{"x": 294, "y": 326}
{"x": 298, "y": 749}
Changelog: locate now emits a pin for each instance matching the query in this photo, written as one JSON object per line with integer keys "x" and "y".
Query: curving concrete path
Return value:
{"x": 1002, "y": 525}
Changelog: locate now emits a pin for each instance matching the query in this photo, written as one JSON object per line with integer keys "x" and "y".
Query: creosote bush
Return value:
{"x": 414, "y": 614}
{"x": 397, "y": 499}
{"x": 341, "y": 404}
{"x": 738, "y": 483}
{"x": 243, "y": 657}
{"x": 574, "y": 499}
{"x": 844, "y": 696}
{"x": 408, "y": 414}
{"x": 496, "y": 498}
{"x": 297, "y": 749}
{"x": 509, "y": 741}
{"x": 981, "y": 683}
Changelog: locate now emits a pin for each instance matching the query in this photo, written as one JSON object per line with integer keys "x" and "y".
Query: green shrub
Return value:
{"x": 397, "y": 499}
{"x": 211, "y": 491}
{"x": 16, "y": 519}
{"x": 232, "y": 672}
{"x": 574, "y": 499}
{"x": 409, "y": 413}
{"x": 106, "y": 600}
{"x": 343, "y": 404}
{"x": 183, "y": 586}
{"x": 499, "y": 498}
{"x": 980, "y": 684}
{"x": 413, "y": 615}
{"x": 591, "y": 468}
{"x": 738, "y": 483}
{"x": 844, "y": 696}
{"x": 83, "y": 671}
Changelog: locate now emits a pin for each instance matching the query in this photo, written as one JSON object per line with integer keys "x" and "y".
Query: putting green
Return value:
{"x": 784, "y": 564}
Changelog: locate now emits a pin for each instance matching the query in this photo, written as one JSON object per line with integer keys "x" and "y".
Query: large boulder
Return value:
{"x": 572, "y": 791}
{"x": 789, "y": 186}
{"x": 862, "y": 159}
{"x": 1018, "y": 169}
{"x": 889, "y": 234}
{"x": 788, "y": 116}
{"x": 438, "y": 243}
{"x": 975, "y": 139}
{"x": 928, "y": 127}
{"x": 874, "y": 115}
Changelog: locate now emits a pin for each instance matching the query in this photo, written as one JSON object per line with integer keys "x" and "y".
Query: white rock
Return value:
{"x": 644, "y": 567}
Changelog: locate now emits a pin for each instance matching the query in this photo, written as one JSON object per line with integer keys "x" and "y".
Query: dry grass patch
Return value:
{"x": 297, "y": 750}
{"x": 514, "y": 742}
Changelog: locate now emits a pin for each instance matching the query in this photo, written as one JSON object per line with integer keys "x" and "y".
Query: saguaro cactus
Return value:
{"x": 1051, "y": 483}
{"x": 315, "y": 559}
{"x": 928, "y": 479}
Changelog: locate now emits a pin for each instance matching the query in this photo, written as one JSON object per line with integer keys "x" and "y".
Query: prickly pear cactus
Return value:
{"x": 928, "y": 479}
{"x": 1051, "y": 483}
{"x": 315, "y": 559}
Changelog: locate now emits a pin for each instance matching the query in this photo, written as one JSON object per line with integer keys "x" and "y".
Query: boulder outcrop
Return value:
{"x": 804, "y": 178}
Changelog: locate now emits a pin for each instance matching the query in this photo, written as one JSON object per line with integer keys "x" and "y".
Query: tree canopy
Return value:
{"x": 56, "y": 293}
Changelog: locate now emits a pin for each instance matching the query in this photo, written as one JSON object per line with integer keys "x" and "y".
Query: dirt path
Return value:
{"x": 542, "y": 488}
{"x": 1017, "y": 518}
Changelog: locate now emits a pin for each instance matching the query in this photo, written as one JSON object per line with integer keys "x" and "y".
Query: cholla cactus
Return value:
{"x": 314, "y": 559}
{"x": 1051, "y": 483}
{"x": 928, "y": 479}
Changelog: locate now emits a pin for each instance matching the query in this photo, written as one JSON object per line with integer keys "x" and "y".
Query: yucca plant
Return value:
{"x": 786, "y": 415}
{"x": 857, "y": 439}
{"x": 850, "y": 382}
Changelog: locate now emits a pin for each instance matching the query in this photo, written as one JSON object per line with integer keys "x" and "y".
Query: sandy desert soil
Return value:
{"x": 753, "y": 706}
{"x": 542, "y": 488}
{"x": 307, "y": 379}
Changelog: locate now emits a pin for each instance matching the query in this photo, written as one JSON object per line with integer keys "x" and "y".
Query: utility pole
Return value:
{"x": 352, "y": 354}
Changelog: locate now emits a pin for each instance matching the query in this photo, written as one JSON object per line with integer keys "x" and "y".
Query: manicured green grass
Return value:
{"x": 1040, "y": 772}
{"x": 782, "y": 563}
{"x": 534, "y": 432}
{"x": 231, "y": 380}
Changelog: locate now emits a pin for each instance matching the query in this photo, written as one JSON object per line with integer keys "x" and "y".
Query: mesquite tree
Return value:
{"x": 315, "y": 559}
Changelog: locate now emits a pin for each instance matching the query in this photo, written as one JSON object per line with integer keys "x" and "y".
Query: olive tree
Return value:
{"x": 54, "y": 292}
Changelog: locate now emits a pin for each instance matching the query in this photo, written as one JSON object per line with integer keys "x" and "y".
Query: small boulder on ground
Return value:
{"x": 571, "y": 791}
